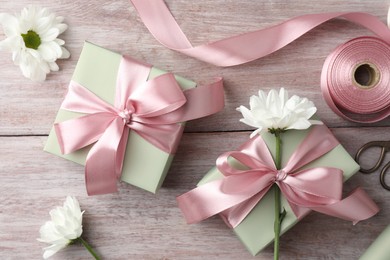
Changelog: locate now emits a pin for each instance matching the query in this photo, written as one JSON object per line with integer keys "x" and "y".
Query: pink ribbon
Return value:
{"x": 344, "y": 98}
{"x": 239, "y": 191}
{"x": 150, "y": 108}
{"x": 250, "y": 46}
{"x": 245, "y": 47}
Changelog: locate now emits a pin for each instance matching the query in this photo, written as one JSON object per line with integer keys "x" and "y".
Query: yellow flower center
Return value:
{"x": 31, "y": 39}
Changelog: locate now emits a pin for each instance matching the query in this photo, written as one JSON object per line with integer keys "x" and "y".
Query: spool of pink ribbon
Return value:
{"x": 355, "y": 80}
{"x": 355, "y": 76}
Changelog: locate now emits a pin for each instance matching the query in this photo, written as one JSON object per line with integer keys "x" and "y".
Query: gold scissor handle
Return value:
{"x": 383, "y": 175}
{"x": 384, "y": 148}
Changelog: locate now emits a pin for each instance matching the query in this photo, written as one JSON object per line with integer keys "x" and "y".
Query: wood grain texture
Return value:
{"x": 134, "y": 224}
{"x": 115, "y": 25}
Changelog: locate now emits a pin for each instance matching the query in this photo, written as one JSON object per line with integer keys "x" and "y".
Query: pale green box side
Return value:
{"x": 379, "y": 249}
{"x": 256, "y": 231}
{"x": 145, "y": 166}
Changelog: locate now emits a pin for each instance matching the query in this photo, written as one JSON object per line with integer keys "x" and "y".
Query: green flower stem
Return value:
{"x": 278, "y": 144}
{"x": 88, "y": 247}
{"x": 278, "y": 215}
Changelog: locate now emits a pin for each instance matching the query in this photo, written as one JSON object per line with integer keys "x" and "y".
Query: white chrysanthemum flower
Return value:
{"x": 277, "y": 112}
{"x": 65, "y": 227}
{"x": 32, "y": 39}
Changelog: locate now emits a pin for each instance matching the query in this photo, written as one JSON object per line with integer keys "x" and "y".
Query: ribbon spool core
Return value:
{"x": 366, "y": 75}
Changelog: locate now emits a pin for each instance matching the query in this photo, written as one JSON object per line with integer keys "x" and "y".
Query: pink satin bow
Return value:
{"x": 239, "y": 191}
{"x": 151, "y": 108}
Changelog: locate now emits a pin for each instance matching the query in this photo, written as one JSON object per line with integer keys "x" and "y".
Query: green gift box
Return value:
{"x": 97, "y": 70}
{"x": 256, "y": 231}
{"x": 379, "y": 249}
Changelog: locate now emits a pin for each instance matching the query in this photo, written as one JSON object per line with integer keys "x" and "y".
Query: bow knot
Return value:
{"x": 126, "y": 115}
{"x": 280, "y": 175}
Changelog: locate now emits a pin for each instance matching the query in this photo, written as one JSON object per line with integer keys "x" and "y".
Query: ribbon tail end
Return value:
{"x": 59, "y": 137}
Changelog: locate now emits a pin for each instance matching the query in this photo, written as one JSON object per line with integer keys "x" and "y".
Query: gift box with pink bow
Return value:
{"x": 240, "y": 187}
{"x": 123, "y": 119}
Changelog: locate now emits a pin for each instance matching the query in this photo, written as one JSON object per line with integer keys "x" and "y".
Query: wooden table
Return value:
{"x": 134, "y": 224}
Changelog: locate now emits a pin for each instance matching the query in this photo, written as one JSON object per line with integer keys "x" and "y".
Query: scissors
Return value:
{"x": 385, "y": 147}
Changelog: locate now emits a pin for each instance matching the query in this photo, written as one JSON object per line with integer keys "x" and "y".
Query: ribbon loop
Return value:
{"x": 151, "y": 108}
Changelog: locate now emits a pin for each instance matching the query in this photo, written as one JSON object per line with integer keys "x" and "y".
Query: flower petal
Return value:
{"x": 301, "y": 123}
{"x": 33, "y": 53}
{"x": 316, "y": 122}
{"x": 59, "y": 41}
{"x": 50, "y": 35}
{"x": 11, "y": 43}
{"x": 65, "y": 53}
{"x": 34, "y": 69}
{"x": 248, "y": 117}
{"x": 10, "y": 24}
{"x": 62, "y": 27}
{"x": 50, "y": 51}
{"x": 59, "y": 19}
{"x": 53, "y": 66}
{"x": 25, "y": 68}
{"x": 43, "y": 25}
{"x": 257, "y": 131}
{"x": 274, "y": 104}
{"x": 38, "y": 75}
{"x": 255, "y": 102}
{"x": 51, "y": 250}
{"x": 283, "y": 95}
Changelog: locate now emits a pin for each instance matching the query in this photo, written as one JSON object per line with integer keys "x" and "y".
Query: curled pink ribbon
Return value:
{"x": 153, "y": 109}
{"x": 253, "y": 45}
{"x": 245, "y": 47}
{"x": 239, "y": 191}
